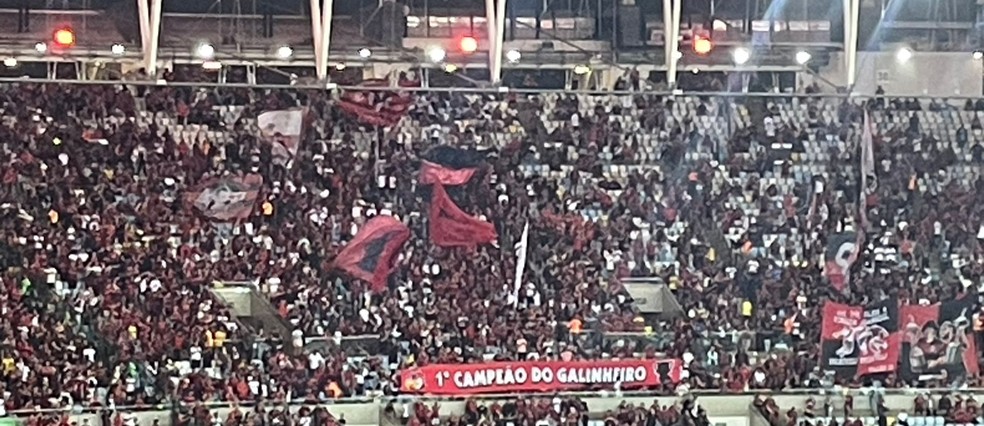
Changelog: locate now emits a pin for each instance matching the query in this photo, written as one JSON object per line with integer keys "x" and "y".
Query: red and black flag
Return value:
{"x": 370, "y": 256}
{"x": 448, "y": 165}
{"x": 451, "y": 227}
{"x": 939, "y": 339}
{"x": 377, "y": 107}
{"x": 860, "y": 340}
{"x": 842, "y": 251}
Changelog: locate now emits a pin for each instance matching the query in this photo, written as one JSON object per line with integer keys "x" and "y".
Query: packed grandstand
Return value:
{"x": 403, "y": 218}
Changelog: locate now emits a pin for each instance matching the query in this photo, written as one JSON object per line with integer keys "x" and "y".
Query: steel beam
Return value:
{"x": 492, "y": 28}
{"x": 500, "y": 37}
{"x": 326, "y": 15}
{"x": 156, "y": 12}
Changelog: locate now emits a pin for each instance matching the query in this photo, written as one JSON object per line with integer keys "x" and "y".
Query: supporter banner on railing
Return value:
{"x": 538, "y": 376}
{"x": 939, "y": 339}
{"x": 860, "y": 340}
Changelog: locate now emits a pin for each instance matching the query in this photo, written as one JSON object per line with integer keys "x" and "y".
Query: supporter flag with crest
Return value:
{"x": 370, "y": 255}
{"x": 842, "y": 251}
{"x": 284, "y": 129}
{"x": 939, "y": 340}
{"x": 860, "y": 340}
{"x": 226, "y": 198}
{"x": 382, "y": 108}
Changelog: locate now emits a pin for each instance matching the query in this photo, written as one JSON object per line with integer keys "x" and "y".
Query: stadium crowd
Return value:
{"x": 105, "y": 295}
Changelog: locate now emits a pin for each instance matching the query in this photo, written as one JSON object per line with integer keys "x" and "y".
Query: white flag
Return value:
{"x": 869, "y": 181}
{"x": 521, "y": 249}
{"x": 283, "y": 129}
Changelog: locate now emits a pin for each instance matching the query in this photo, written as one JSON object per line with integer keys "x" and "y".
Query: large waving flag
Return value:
{"x": 451, "y": 227}
{"x": 448, "y": 165}
{"x": 284, "y": 129}
{"x": 842, "y": 250}
{"x": 226, "y": 198}
{"x": 370, "y": 256}
{"x": 377, "y": 107}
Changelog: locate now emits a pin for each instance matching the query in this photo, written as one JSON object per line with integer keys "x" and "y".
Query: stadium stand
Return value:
{"x": 108, "y": 271}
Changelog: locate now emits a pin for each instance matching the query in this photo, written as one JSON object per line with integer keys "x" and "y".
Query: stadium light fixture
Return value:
{"x": 41, "y": 47}
{"x": 10, "y": 62}
{"x": 205, "y": 51}
{"x": 285, "y": 52}
{"x": 802, "y": 57}
{"x": 468, "y": 44}
{"x": 212, "y": 65}
{"x": 513, "y": 56}
{"x": 903, "y": 55}
{"x": 436, "y": 54}
{"x": 702, "y": 45}
{"x": 450, "y": 68}
{"x": 64, "y": 37}
{"x": 978, "y": 55}
{"x": 117, "y": 49}
{"x": 365, "y": 53}
{"x": 741, "y": 55}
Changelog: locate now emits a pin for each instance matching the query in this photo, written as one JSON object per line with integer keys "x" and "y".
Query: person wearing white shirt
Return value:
{"x": 315, "y": 360}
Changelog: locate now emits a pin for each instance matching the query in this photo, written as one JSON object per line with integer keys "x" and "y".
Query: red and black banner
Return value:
{"x": 370, "y": 256}
{"x": 452, "y": 227}
{"x": 938, "y": 339}
{"x": 860, "y": 340}
{"x": 842, "y": 251}
{"x": 382, "y": 108}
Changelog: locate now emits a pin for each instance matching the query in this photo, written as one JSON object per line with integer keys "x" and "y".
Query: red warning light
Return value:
{"x": 702, "y": 45}
{"x": 468, "y": 44}
{"x": 64, "y": 37}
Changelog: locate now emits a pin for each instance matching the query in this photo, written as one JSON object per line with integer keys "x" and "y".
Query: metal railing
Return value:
{"x": 810, "y": 392}
{"x": 483, "y": 90}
